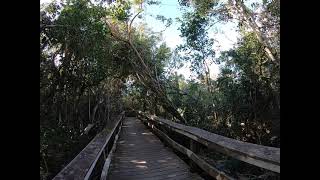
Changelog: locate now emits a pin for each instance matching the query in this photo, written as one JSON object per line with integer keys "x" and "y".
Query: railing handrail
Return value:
{"x": 81, "y": 167}
{"x": 262, "y": 156}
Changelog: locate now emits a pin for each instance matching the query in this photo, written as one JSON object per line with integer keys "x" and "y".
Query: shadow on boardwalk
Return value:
{"x": 141, "y": 155}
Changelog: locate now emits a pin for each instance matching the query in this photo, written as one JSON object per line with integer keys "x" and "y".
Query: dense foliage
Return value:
{"x": 94, "y": 63}
{"x": 244, "y": 101}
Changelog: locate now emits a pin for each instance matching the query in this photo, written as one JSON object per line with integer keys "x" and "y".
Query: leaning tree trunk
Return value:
{"x": 249, "y": 19}
{"x": 154, "y": 84}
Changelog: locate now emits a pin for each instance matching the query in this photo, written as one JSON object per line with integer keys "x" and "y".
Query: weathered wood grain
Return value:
{"x": 141, "y": 155}
{"x": 258, "y": 155}
{"x": 83, "y": 165}
{"x": 212, "y": 171}
{"x": 106, "y": 166}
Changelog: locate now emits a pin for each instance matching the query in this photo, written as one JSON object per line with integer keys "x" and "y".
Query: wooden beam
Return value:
{"x": 82, "y": 166}
{"x": 212, "y": 171}
{"x": 106, "y": 165}
{"x": 88, "y": 175}
{"x": 194, "y": 147}
{"x": 258, "y": 155}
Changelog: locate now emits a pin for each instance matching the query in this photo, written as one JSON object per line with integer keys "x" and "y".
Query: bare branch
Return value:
{"x": 130, "y": 25}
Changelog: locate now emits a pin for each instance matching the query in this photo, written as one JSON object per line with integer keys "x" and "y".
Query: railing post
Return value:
{"x": 194, "y": 147}
{"x": 165, "y": 144}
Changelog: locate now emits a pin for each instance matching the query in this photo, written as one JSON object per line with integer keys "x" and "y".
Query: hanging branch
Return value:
{"x": 155, "y": 84}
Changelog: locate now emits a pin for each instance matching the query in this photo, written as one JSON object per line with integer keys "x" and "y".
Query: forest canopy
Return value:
{"x": 98, "y": 58}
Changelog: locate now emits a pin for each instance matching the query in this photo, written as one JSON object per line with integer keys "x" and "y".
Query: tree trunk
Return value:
{"x": 249, "y": 19}
{"x": 89, "y": 105}
{"x": 207, "y": 76}
{"x": 95, "y": 110}
{"x": 109, "y": 107}
{"x": 174, "y": 112}
{"x": 153, "y": 84}
{"x": 60, "y": 119}
{"x": 66, "y": 112}
{"x": 105, "y": 110}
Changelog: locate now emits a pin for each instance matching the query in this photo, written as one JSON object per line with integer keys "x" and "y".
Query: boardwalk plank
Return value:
{"x": 141, "y": 155}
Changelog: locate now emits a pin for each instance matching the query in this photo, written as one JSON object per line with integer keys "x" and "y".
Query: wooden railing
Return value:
{"x": 257, "y": 155}
{"x": 93, "y": 161}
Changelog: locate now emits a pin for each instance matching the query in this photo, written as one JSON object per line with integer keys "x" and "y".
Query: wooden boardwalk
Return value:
{"x": 141, "y": 155}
